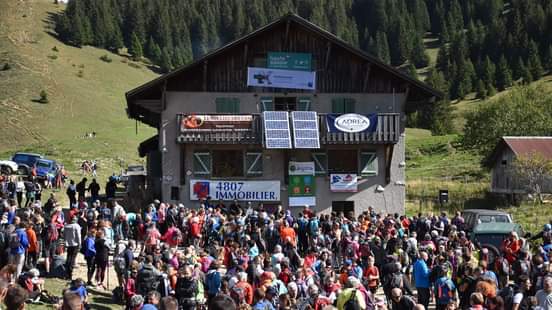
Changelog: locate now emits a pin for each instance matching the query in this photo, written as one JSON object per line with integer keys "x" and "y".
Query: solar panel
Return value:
{"x": 276, "y": 128}
{"x": 305, "y": 130}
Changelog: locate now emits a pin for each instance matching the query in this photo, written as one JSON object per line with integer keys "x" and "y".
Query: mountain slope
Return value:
{"x": 85, "y": 93}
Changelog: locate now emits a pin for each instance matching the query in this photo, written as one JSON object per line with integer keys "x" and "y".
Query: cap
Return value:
{"x": 136, "y": 300}
{"x": 271, "y": 290}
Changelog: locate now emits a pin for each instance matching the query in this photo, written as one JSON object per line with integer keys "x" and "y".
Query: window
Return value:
{"x": 267, "y": 104}
{"x": 504, "y": 162}
{"x": 342, "y": 161}
{"x": 228, "y": 105}
{"x": 202, "y": 163}
{"x": 304, "y": 104}
{"x": 285, "y": 104}
{"x": 320, "y": 163}
{"x": 227, "y": 163}
{"x": 254, "y": 163}
{"x": 343, "y": 105}
{"x": 368, "y": 163}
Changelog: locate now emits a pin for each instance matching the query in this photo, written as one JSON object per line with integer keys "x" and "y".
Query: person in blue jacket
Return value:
{"x": 89, "y": 251}
{"x": 18, "y": 244}
{"x": 421, "y": 279}
{"x": 213, "y": 280}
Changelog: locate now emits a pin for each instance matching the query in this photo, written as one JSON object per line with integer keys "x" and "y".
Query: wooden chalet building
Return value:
{"x": 504, "y": 179}
{"x": 289, "y": 114}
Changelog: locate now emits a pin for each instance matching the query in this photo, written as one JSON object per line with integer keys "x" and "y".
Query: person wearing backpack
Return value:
{"x": 18, "y": 244}
{"x": 72, "y": 237}
{"x": 351, "y": 298}
{"x": 186, "y": 289}
{"x": 401, "y": 301}
{"x": 213, "y": 280}
{"x": 148, "y": 277}
{"x": 90, "y": 254}
{"x": 244, "y": 287}
{"x": 445, "y": 290}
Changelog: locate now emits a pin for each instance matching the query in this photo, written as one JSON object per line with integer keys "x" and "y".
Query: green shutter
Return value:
{"x": 337, "y": 106}
{"x": 348, "y": 105}
{"x": 254, "y": 163}
{"x": 320, "y": 163}
{"x": 228, "y": 105}
{"x": 304, "y": 104}
{"x": 202, "y": 163}
{"x": 267, "y": 104}
{"x": 368, "y": 164}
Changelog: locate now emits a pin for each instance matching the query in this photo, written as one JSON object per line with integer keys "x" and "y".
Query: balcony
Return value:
{"x": 387, "y": 131}
{"x": 248, "y": 129}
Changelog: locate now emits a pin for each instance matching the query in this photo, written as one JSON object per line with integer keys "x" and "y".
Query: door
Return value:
{"x": 346, "y": 207}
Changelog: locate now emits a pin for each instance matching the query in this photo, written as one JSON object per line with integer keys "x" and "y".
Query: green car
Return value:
{"x": 490, "y": 236}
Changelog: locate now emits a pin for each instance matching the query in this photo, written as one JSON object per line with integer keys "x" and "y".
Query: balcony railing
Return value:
{"x": 387, "y": 131}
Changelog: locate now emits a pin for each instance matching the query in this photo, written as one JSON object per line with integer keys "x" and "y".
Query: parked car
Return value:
{"x": 45, "y": 168}
{"x": 491, "y": 234}
{"x": 8, "y": 166}
{"x": 25, "y": 161}
{"x": 474, "y": 217}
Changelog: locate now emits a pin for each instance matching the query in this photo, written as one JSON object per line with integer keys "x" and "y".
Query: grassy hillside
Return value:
{"x": 85, "y": 93}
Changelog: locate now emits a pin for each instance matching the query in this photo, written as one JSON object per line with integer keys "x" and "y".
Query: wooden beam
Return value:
{"x": 286, "y": 37}
{"x": 366, "y": 77}
{"x": 205, "y": 75}
{"x": 328, "y": 52}
{"x": 245, "y": 51}
{"x": 388, "y": 159}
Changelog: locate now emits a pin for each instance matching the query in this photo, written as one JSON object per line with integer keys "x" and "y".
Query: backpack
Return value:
{"x": 117, "y": 295}
{"x": 352, "y": 302}
{"x": 238, "y": 294}
{"x": 14, "y": 241}
{"x": 119, "y": 263}
{"x": 90, "y": 215}
{"x": 507, "y": 294}
{"x": 53, "y": 234}
{"x": 146, "y": 281}
{"x": 396, "y": 281}
{"x": 186, "y": 289}
{"x": 444, "y": 292}
{"x": 177, "y": 235}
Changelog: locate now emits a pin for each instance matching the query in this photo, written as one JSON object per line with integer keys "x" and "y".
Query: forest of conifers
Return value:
{"x": 484, "y": 44}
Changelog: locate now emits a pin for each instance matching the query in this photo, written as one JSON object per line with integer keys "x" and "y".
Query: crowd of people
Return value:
{"x": 228, "y": 256}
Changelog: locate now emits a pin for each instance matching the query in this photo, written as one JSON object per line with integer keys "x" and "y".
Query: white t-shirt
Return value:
{"x": 544, "y": 299}
{"x": 517, "y": 298}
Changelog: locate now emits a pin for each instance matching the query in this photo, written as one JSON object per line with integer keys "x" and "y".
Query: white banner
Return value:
{"x": 344, "y": 183}
{"x": 240, "y": 190}
{"x": 302, "y": 201}
{"x": 279, "y": 78}
{"x": 301, "y": 168}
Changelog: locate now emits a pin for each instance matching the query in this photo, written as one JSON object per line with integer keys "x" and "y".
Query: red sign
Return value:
{"x": 206, "y": 123}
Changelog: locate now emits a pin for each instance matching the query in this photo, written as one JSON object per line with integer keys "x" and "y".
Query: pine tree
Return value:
{"x": 488, "y": 71}
{"x": 135, "y": 48}
{"x": 519, "y": 69}
{"x": 527, "y": 76}
{"x": 419, "y": 56}
{"x": 153, "y": 51}
{"x": 548, "y": 59}
{"x": 443, "y": 60}
{"x": 166, "y": 60}
{"x": 382, "y": 47}
{"x": 503, "y": 74}
{"x": 481, "y": 90}
{"x": 491, "y": 90}
{"x": 534, "y": 63}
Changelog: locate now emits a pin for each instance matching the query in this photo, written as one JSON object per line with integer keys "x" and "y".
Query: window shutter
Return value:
{"x": 348, "y": 105}
{"x": 369, "y": 164}
{"x": 304, "y": 104}
{"x": 228, "y": 105}
{"x": 254, "y": 163}
{"x": 235, "y": 102}
{"x": 202, "y": 163}
{"x": 267, "y": 104}
{"x": 221, "y": 105}
{"x": 337, "y": 106}
{"x": 320, "y": 163}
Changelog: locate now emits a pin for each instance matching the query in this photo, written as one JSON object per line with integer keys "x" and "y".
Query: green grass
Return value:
{"x": 97, "y": 300}
{"x": 77, "y": 105}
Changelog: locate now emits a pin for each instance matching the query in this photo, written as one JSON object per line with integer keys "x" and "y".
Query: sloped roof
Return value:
{"x": 160, "y": 81}
{"x": 522, "y": 146}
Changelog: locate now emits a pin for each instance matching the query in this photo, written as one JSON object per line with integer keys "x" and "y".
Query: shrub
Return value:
{"x": 6, "y": 66}
{"x": 53, "y": 57}
{"x": 80, "y": 73}
{"x": 43, "y": 97}
{"x": 134, "y": 65}
{"x": 106, "y": 58}
{"x": 55, "y": 49}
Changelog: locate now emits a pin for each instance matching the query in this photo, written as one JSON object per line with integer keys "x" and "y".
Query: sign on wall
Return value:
{"x": 292, "y": 61}
{"x": 351, "y": 122}
{"x": 280, "y": 78}
{"x": 302, "y": 184}
{"x": 240, "y": 190}
{"x": 346, "y": 182}
{"x": 301, "y": 168}
{"x": 207, "y": 123}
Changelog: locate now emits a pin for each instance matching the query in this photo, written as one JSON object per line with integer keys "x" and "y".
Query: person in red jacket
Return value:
{"x": 511, "y": 247}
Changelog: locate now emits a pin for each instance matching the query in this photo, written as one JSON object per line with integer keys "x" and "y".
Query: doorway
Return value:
{"x": 346, "y": 207}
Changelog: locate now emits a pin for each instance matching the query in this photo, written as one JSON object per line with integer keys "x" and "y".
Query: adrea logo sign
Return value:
{"x": 352, "y": 122}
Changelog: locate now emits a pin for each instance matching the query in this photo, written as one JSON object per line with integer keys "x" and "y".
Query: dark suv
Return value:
{"x": 474, "y": 217}
{"x": 25, "y": 161}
